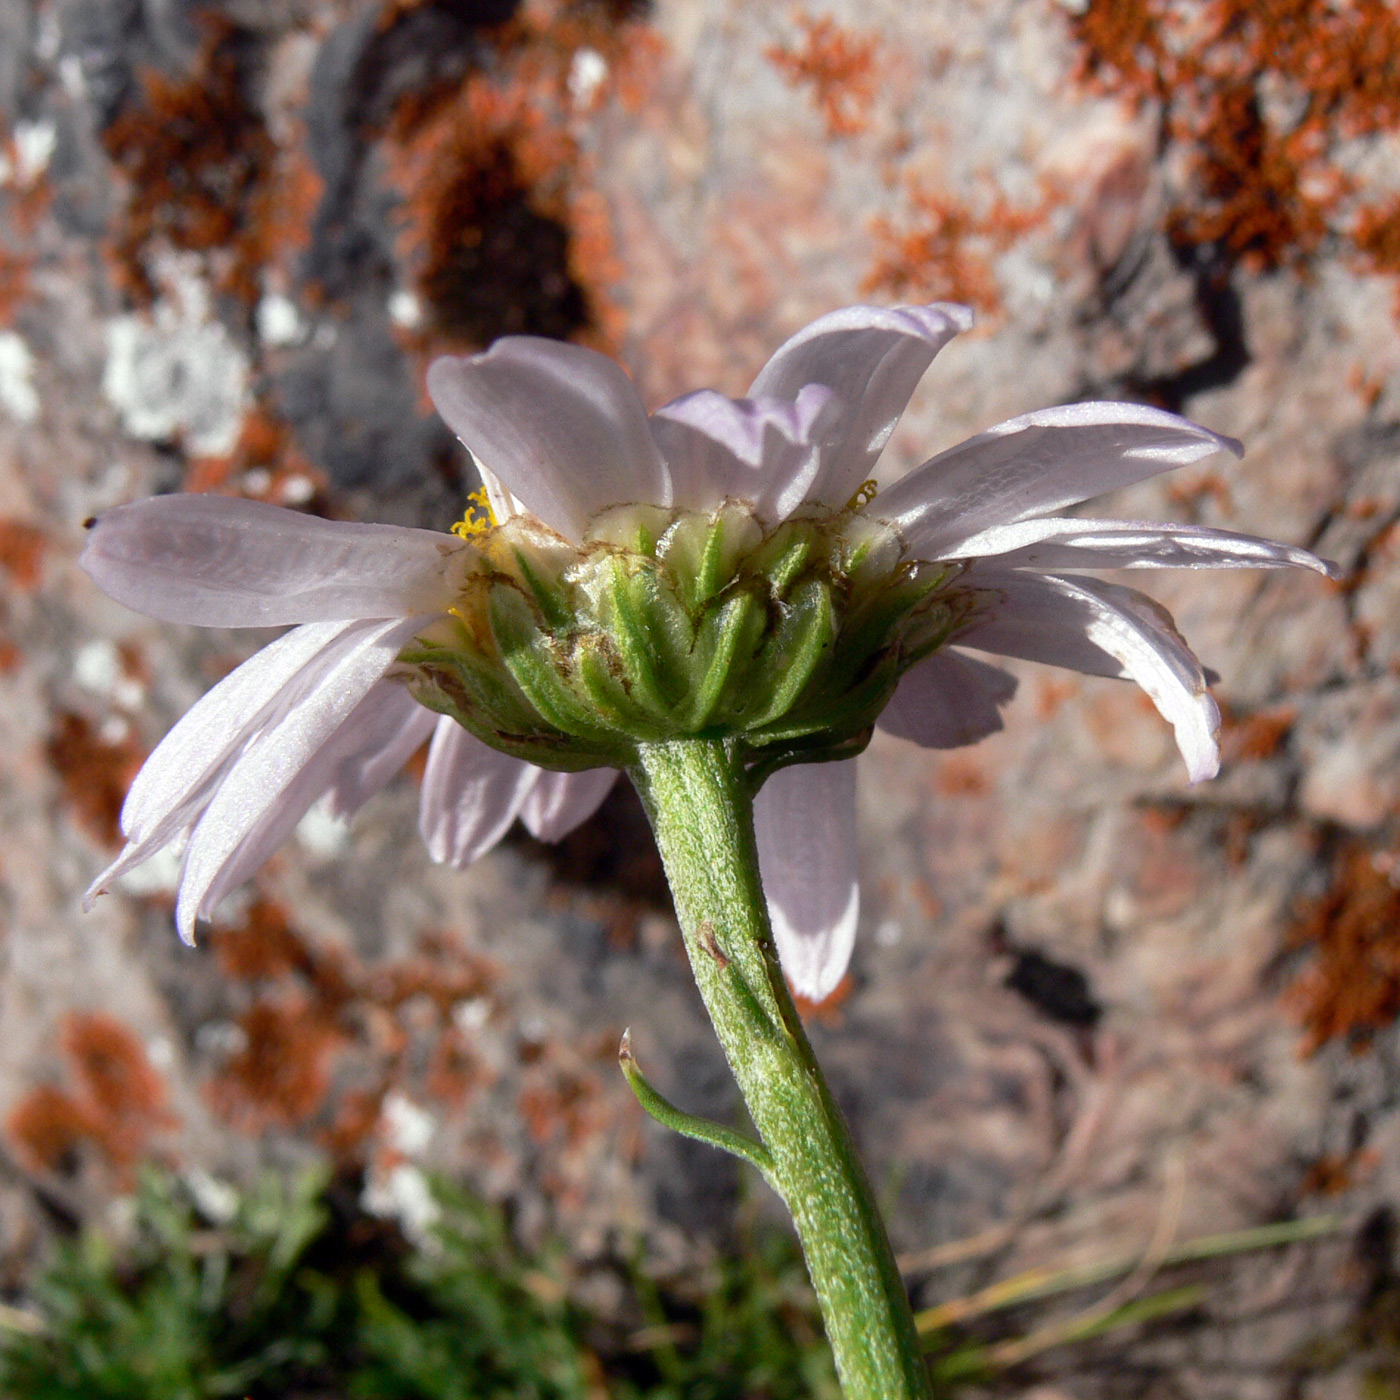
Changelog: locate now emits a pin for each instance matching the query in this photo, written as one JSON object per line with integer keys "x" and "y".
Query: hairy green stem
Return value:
{"x": 701, "y": 809}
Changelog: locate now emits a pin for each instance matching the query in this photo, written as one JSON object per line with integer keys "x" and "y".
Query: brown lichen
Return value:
{"x": 117, "y": 1106}
{"x": 1350, "y": 989}
{"x": 1254, "y": 99}
{"x": 502, "y": 229}
{"x": 205, "y": 175}
{"x": 95, "y": 773}
{"x": 946, "y": 249}
{"x": 327, "y": 1037}
{"x": 22, "y": 552}
{"x": 839, "y": 65}
{"x": 486, "y": 219}
{"x": 1259, "y": 735}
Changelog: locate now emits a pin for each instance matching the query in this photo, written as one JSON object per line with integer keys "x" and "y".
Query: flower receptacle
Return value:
{"x": 667, "y": 624}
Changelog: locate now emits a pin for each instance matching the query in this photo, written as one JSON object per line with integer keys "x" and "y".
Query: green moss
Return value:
{"x": 302, "y": 1296}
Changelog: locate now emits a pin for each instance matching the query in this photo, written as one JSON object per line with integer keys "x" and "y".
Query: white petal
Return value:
{"x": 1060, "y": 542}
{"x": 558, "y": 802}
{"x": 872, "y": 357}
{"x": 559, "y": 427}
{"x": 1099, "y": 628}
{"x": 219, "y": 562}
{"x": 471, "y": 794}
{"x": 805, "y": 822}
{"x": 267, "y": 767}
{"x": 947, "y": 700}
{"x": 764, "y": 451}
{"x": 356, "y": 759}
{"x": 177, "y": 781}
{"x": 389, "y": 728}
{"x": 1035, "y": 464}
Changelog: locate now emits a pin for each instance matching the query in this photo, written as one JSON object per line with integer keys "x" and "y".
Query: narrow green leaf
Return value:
{"x": 688, "y": 1124}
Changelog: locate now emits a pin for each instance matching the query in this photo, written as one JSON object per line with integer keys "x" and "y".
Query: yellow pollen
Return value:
{"x": 865, "y": 493}
{"x": 479, "y": 517}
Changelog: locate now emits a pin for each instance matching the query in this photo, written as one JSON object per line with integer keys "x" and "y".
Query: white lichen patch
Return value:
{"x": 18, "y": 396}
{"x": 407, "y": 1127}
{"x": 278, "y": 321}
{"x": 97, "y": 666}
{"x": 587, "y": 72}
{"x": 158, "y": 876}
{"x": 217, "y": 1201}
{"x": 403, "y": 1194}
{"x": 32, "y": 145}
{"x": 322, "y": 835}
{"x": 405, "y": 310}
{"x": 178, "y": 375}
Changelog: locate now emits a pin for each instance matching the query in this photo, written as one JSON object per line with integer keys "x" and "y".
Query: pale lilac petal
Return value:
{"x": 1035, "y": 464}
{"x": 388, "y": 729}
{"x": 471, "y": 794}
{"x": 871, "y": 357}
{"x": 271, "y": 761}
{"x": 354, "y": 762}
{"x": 219, "y": 562}
{"x": 1060, "y": 542}
{"x": 558, "y": 802}
{"x": 177, "y": 780}
{"x": 805, "y": 822}
{"x": 503, "y": 505}
{"x": 559, "y": 427}
{"x": 947, "y": 700}
{"x": 1087, "y": 625}
{"x": 763, "y": 451}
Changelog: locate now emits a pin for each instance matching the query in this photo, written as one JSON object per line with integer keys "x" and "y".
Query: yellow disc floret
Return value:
{"x": 865, "y": 493}
{"x": 479, "y": 517}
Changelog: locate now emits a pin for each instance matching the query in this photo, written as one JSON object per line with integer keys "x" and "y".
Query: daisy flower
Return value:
{"x": 723, "y": 568}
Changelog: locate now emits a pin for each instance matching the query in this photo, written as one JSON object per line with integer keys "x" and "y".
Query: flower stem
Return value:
{"x": 701, "y": 808}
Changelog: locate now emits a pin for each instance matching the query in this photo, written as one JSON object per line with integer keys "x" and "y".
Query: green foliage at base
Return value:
{"x": 302, "y": 1297}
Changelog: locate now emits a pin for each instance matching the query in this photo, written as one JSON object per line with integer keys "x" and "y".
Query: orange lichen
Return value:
{"x": 840, "y": 67}
{"x": 282, "y": 1074}
{"x": 118, "y": 1104}
{"x": 561, "y": 1103}
{"x": 95, "y": 773}
{"x": 47, "y": 1128}
{"x": 1350, "y": 989}
{"x": 946, "y": 250}
{"x": 1255, "y": 98}
{"x": 1376, "y": 236}
{"x": 265, "y": 465}
{"x": 1336, "y": 1173}
{"x": 205, "y": 175}
{"x": 319, "y": 1017}
{"x": 22, "y": 552}
{"x": 14, "y": 284}
{"x": 121, "y": 1089}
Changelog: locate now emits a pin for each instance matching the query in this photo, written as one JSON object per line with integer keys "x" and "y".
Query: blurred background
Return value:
{"x": 1093, "y": 1013}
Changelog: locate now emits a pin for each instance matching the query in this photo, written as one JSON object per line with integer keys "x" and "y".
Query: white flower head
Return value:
{"x": 720, "y": 567}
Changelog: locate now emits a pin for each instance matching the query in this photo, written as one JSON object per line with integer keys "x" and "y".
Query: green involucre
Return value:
{"x": 669, "y": 624}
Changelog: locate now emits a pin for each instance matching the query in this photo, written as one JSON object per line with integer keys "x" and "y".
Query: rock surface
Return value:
{"x": 1083, "y": 1005}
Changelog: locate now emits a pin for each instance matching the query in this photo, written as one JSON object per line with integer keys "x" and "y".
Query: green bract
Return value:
{"x": 667, "y": 624}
